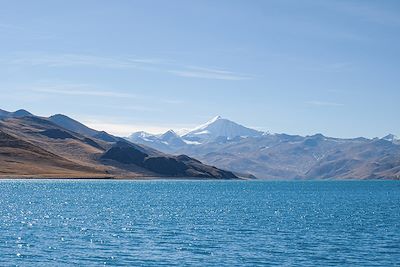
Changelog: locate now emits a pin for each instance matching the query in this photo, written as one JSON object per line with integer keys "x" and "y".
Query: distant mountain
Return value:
{"x": 150, "y": 140}
{"x": 59, "y": 146}
{"x": 228, "y": 145}
{"x": 170, "y": 138}
{"x": 311, "y": 157}
{"x": 32, "y": 146}
{"x": 219, "y": 127}
{"x": 142, "y": 135}
{"x": 392, "y": 138}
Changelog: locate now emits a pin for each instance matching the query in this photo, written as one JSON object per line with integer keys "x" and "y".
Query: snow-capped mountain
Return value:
{"x": 392, "y": 138}
{"x": 226, "y": 144}
{"x": 214, "y": 130}
{"x": 167, "y": 141}
{"x": 142, "y": 136}
{"x": 172, "y": 139}
{"x": 219, "y": 127}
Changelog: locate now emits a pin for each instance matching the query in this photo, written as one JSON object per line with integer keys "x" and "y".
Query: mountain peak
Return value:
{"x": 208, "y": 123}
{"x": 140, "y": 134}
{"x": 390, "y": 137}
{"x": 169, "y": 134}
{"x": 218, "y": 117}
{"x": 219, "y": 127}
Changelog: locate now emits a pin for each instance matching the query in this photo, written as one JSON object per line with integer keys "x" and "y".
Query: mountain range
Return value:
{"x": 60, "y": 147}
{"x": 229, "y": 145}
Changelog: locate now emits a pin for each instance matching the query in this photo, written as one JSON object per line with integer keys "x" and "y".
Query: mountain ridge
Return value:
{"x": 33, "y": 146}
{"x": 283, "y": 156}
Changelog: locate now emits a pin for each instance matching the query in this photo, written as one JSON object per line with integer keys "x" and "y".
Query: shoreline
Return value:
{"x": 168, "y": 178}
{"x": 140, "y": 178}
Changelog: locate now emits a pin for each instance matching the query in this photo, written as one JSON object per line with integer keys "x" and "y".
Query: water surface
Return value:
{"x": 199, "y": 223}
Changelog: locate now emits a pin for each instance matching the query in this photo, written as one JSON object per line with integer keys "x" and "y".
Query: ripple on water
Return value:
{"x": 230, "y": 223}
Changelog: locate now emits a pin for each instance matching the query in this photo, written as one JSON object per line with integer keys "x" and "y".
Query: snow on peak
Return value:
{"x": 182, "y": 132}
{"x": 168, "y": 134}
{"x": 170, "y": 131}
{"x": 390, "y": 137}
{"x": 140, "y": 134}
{"x": 205, "y": 125}
{"x": 215, "y": 119}
{"x": 219, "y": 127}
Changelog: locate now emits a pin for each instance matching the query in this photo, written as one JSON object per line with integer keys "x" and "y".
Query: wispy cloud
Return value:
{"x": 69, "y": 60}
{"x": 172, "y": 101}
{"x": 324, "y": 104}
{"x": 124, "y": 126}
{"x": 81, "y": 90}
{"x": 128, "y": 62}
{"x": 208, "y": 73}
{"x": 124, "y": 129}
{"x": 130, "y": 107}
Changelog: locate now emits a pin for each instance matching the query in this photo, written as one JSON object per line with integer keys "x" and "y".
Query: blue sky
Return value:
{"x": 298, "y": 67}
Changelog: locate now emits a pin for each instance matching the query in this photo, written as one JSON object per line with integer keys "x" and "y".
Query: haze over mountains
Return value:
{"x": 60, "y": 147}
{"x": 229, "y": 145}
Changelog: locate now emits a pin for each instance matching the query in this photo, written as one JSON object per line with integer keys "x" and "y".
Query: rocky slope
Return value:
{"x": 32, "y": 146}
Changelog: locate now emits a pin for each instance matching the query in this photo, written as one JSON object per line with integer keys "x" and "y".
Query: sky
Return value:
{"x": 296, "y": 67}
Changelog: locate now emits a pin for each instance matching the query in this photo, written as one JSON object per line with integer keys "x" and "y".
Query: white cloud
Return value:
{"x": 71, "y": 89}
{"x": 130, "y": 107}
{"x": 324, "y": 104}
{"x": 81, "y": 90}
{"x": 121, "y": 129}
{"x": 70, "y": 60}
{"x": 207, "y": 73}
{"x": 146, "y": 64}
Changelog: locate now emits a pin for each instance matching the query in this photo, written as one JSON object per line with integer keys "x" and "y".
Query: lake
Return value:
{"x": 199, "y": 223}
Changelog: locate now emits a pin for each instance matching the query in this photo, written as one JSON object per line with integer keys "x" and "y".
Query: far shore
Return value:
{"x": 139, "y": 178}
{"x": 172, "y": 178}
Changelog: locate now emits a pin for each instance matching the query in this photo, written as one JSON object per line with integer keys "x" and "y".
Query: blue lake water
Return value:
{"x": 199, "y": 223}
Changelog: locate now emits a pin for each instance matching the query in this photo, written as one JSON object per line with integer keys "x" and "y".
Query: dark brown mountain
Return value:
{"x": 32, "y": 146}
{"x": 127, "y": 154}
{"x": 77, "y": 127}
